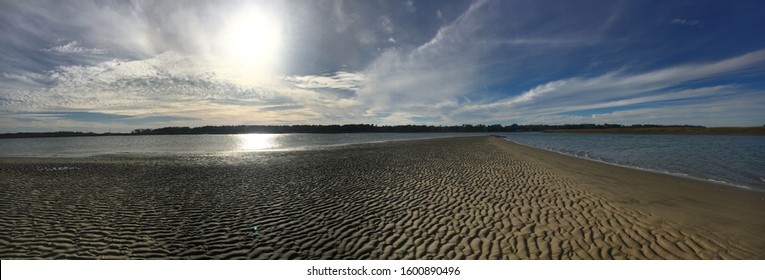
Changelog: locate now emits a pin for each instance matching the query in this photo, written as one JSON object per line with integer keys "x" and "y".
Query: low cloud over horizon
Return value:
{"x": 104, "y": 66}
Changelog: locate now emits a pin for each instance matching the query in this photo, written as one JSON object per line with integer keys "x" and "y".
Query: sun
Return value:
{"x": 253, "y": 36}
{"x": 251, "y": 40}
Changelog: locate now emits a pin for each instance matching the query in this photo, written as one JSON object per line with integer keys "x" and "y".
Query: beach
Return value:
{"x": 451, "y": 198}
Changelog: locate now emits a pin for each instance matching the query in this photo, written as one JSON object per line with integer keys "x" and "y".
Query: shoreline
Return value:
{"x": 649, "y": 170}
{"x": 685, "y": 200}
{"x": 748, "y": 130}
{"x": 444, "y": 198}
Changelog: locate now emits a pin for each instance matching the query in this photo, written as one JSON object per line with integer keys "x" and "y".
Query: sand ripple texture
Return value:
{"x": 461, "y": 198}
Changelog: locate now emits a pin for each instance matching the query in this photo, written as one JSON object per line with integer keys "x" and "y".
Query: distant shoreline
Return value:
{"x": 371, "y": 128}
{"x": 754, "y": 130}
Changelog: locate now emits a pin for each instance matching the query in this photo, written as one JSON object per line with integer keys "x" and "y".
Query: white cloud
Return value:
{"x": 744, "y": 107}
{"x": 119, "y": 29}
{"x": 734, "y": 107}
{"x": 339, "y": 80}
{"x": 404, "y": 82}
{"x": 172, "y": 84}
{"x": 75, "y": 47}
{"x": 192, "y": 78}
{"x": 161, "y": 58}
{"x": 568, "y": 93}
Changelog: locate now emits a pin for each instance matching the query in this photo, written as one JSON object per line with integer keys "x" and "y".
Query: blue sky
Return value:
{"x": 120, "y": 65}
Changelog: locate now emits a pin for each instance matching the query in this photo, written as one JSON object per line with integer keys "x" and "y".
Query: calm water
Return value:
{"x": 194, "y": 144}
{"x": 733, "y": 159}
{"x": 736, "y": 160}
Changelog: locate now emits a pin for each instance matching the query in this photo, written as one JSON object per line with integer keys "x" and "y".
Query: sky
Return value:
{"x": 121, "y": 65}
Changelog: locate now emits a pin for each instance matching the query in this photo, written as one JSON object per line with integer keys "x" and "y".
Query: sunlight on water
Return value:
{"x": 255, "y": 142}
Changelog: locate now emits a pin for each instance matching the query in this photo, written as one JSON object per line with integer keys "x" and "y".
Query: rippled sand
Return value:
{"x": 459, "y": 198}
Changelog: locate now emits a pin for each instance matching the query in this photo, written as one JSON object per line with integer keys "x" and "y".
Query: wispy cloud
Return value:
{"x": 743, "y": 106}
{"x": 379, "y": 62}
{"x": 75, "y": 47}
{"x": 618, "y": 89}
{"x": 166, "y": 81}
{"x": 616, "y": 84}
{"x": 338, "y": 80}
{"x": 173, "y": 85}
{"x": 386, "y": 25}
{"x": 410, "y": 6}
{"x": 342, "y": 18}
{"x": 687, "y": 22}
{"x": 439, "y": 71}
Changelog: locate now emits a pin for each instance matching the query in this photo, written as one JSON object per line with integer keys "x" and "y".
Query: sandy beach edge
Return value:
{"x": 739, "y": 211}
{"x": 447, "y": 198}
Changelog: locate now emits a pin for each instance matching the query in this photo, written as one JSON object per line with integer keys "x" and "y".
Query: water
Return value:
{"x": 735, "y": 160}
{"x": 194, "y": 144}
{"x": 732, "y": 159}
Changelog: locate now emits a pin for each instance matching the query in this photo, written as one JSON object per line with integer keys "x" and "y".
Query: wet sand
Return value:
{"x": 457, "y": 198}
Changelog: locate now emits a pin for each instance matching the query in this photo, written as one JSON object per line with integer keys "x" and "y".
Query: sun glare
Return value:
{"x": 255, "y": 142}
{"x": 251, "y": 41}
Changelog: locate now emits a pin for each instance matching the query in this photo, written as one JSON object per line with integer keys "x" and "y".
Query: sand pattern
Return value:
{"x": 461, "y": 198}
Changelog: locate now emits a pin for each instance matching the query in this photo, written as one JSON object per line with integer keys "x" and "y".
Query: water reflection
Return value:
{"x": 255, "y": 142}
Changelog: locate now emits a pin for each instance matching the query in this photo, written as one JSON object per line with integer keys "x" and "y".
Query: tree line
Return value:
{"x": 371, "y": 128}
{"x": 346, "y": 128}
